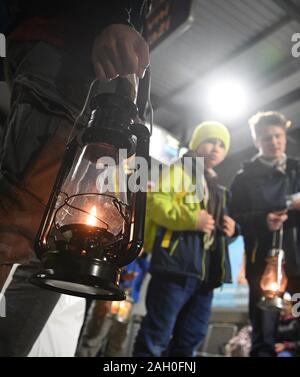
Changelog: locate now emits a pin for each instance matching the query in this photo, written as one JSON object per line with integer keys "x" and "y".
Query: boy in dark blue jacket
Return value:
{"x": 265, "y": 197}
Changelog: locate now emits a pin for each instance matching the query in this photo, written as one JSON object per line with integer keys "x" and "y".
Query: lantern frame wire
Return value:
{"x": 117, "y": 203}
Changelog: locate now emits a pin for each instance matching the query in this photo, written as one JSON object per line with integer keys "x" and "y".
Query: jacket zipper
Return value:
{"x": 174, "y": 247}
{"x": 203, "y": 265}
{"x": 295, "y": 239}
{"x": 223, "y": 244}
{"x": 223, "y": 260}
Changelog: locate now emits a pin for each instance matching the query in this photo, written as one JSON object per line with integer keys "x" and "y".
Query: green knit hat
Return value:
{"x": 210, "y": 130}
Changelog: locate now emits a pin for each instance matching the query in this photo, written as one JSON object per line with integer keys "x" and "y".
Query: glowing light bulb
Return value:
{"x": 91, "y": 219}
{"x": 227, "y": 98}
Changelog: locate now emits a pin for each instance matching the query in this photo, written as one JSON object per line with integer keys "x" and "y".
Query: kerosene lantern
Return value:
{"x": 274, "y": 281}
{"x": 94, "y": 222}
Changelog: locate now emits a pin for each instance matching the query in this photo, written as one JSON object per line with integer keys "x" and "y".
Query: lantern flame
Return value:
{"x": 91, "y": 219}
{"x": 273, "y": 287}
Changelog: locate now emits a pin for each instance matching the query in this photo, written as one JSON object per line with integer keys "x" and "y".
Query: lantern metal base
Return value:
{"x": 79, "y": 276}
{"x": 274, "y": 304}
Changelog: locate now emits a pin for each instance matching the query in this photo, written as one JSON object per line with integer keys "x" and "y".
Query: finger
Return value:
{"x": 99, "y": 71}
{"x": 209, "y": 227}
{"x": 109, "y": 69}
{"x": 128, "y": 57}
{"x": 142, "y": 50}
{"x": 230, "y": 227}
{"x": 116, "y": 60}
{"x": 226, "y": 222}
{"x": 206, "y": 217}
{"x": 226, "y": 227}
{"x": 227, "y": 231}
{"x": 230, "y": 221}
{"x": 206, "y": 229}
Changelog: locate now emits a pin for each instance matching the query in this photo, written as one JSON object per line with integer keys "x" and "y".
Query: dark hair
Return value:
{"x": 261, "y": 120}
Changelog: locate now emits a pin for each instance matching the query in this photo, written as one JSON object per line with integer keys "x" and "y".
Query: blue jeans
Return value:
{"x": 178, "y": 310}
{"x": 27, "y": 310}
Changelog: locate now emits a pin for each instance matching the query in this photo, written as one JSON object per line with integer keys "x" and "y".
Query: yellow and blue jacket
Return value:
{"x": 171, "y": 234}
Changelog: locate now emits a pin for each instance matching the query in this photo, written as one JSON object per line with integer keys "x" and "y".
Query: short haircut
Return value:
{"x": 262, "y": 120}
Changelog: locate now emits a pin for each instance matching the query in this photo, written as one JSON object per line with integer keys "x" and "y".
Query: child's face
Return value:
{"x": 213, "y": 151}
{"x": 272, "y": 142}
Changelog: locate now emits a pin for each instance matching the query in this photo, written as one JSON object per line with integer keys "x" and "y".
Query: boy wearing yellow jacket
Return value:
{"x": 187, "y": 230}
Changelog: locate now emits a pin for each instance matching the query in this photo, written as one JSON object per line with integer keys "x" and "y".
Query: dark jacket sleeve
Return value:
{"x": 240, "y": 207}
{"x": 92, "y": 15}
{"x": 227, "y": 211}
{"x": 289, "y": 332}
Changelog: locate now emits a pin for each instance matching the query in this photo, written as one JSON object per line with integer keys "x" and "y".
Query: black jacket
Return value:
{"x": 288, "y": 332}
{"x": 256, "y": 191}
{"x": 84, "y": 19}
{"x": 92, "y": 15}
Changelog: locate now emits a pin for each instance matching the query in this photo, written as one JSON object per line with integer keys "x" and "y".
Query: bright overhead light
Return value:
{"x": 226, "y": 99}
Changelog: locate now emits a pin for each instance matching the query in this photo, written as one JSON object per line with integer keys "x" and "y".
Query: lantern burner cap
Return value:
{"x": 274, "y": 304}
{"x": 75, "y": 231}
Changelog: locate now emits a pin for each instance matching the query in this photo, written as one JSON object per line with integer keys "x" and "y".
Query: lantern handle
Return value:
{"x": 277, "y": 239}
{"x": 87, "y": 99}
{"x": 280, "y": 237}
